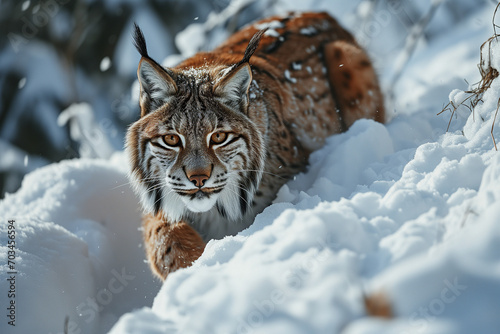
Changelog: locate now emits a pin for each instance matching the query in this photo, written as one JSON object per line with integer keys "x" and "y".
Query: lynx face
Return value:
{"x": 194, "y": 148}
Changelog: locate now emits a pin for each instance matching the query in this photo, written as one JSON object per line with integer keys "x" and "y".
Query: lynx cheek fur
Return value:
{"x": 220, "y": 133}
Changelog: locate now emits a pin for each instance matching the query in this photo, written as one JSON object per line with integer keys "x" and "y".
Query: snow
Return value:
{"x": 21, "y": 83}
{"x": 105, "y": 64}
{"x": 76, "y": 233}
{"x": 297, "y": 66}
{"x": 83, "y": 129}
{"x": 38, "y": 66}
{"x": 270, "y": 26}
{"x": 405, "y": 209}
{"x": 25, "y": 5}
{"x": 308, "y": 31}
{"x": 289, "y": 77}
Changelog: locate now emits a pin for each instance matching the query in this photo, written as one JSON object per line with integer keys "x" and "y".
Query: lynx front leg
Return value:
{"x": 170, "y": 246}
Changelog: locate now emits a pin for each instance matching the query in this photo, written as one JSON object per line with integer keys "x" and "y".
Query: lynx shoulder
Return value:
{"x": 220, "y": 133}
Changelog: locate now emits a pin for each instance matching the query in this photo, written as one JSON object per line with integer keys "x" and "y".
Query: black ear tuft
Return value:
{"x": 252, "y": 46}
{"x": 140, "y": 41}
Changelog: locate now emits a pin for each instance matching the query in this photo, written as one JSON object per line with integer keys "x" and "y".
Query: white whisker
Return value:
{"x": 261, "y": 171}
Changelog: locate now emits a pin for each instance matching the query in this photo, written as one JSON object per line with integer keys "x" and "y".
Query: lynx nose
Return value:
{"x": 198, "y": 171}
{"x": 198, "y": 180}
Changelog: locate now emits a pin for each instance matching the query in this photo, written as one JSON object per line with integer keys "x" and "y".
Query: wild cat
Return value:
{"x": 220, "y": 133}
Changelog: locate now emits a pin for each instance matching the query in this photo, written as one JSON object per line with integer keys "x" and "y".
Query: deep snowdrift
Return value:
{"x": 78, "y": 249}
{"x": 404, "y": 209}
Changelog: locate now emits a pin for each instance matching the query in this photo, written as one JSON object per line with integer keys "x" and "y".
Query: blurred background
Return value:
{"x": 68, "y": 67}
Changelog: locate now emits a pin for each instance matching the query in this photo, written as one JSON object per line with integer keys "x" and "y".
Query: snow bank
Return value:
{"x": 404, "y": 209}
{"x": 77, "y": 249}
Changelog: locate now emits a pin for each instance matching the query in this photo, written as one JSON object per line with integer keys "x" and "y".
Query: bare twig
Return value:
{"x": 493, "y": 125}
{"x": 488, "y": 74}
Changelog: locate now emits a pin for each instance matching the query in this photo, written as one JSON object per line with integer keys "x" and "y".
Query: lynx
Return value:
{"x": 220, "y": 133}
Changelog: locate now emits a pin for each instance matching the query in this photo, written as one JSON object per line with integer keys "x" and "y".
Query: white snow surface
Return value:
{"x": 404, "y": 209}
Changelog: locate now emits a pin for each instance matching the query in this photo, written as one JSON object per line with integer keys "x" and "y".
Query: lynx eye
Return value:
{"x": 218, "y": 137}
{"x": 172, "y": 140}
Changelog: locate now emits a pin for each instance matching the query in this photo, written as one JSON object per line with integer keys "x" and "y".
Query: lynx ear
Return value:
{"x": 157, "y": 85}
{"x": 232, "y": 90}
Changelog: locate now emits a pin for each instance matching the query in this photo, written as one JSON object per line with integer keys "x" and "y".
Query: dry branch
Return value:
{"x": 488, "y": 74}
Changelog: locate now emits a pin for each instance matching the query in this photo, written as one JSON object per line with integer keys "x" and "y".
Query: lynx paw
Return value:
{"x": 171, "y": 247}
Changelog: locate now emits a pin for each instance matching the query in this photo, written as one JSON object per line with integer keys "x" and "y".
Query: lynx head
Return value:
{"x": 195, "y": 149}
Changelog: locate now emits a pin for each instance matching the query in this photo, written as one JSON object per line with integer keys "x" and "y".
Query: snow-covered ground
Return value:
{"x": 403, "y": 209}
